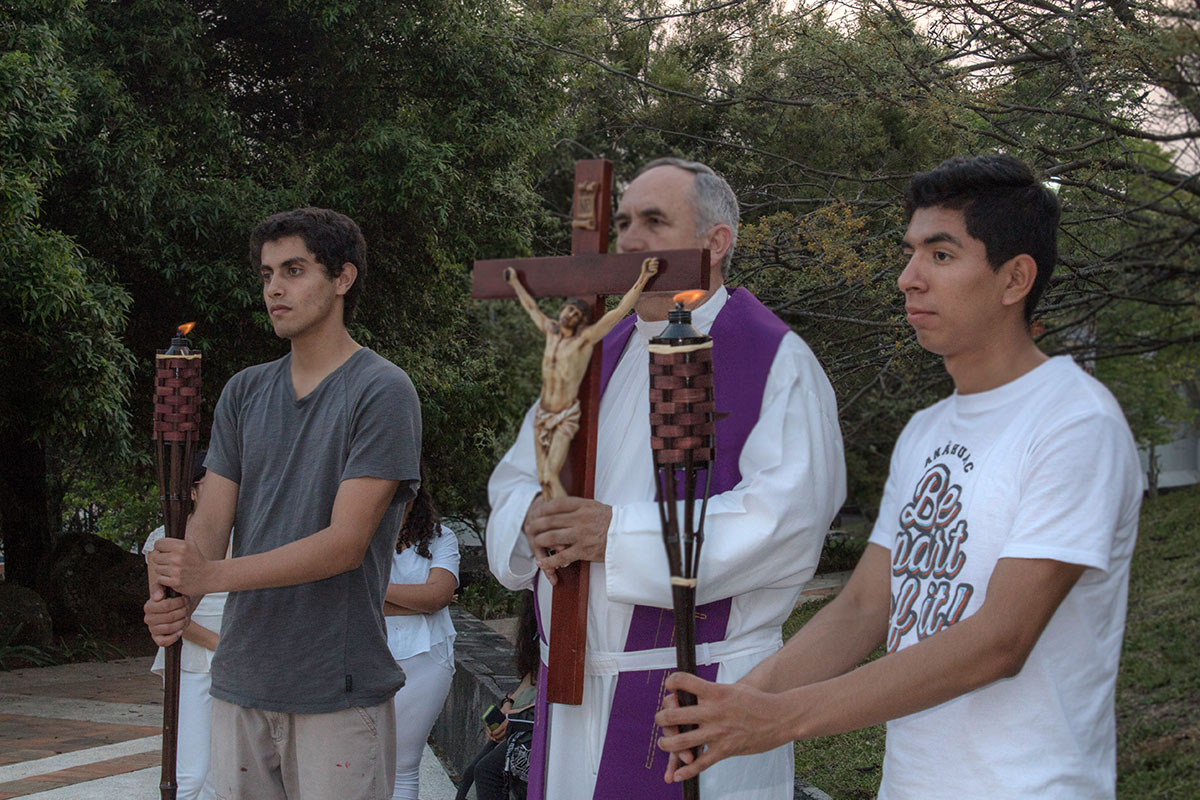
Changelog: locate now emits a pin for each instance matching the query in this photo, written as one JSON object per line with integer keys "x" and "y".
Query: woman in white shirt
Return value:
{"x": 420, "y": 634}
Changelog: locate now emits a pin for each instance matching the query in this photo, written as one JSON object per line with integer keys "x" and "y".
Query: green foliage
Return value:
{"x": 121, "y": 508}
{"x": 178, "y": 125}
{"x": 841, "y": 552}
{"x": 141, "y": 141}
{"x": 818, "y": 118}
{"x": 85, "y": 646}
{"x": 1153, "y": 391}
{"x": 1158, "y": 738}
{"x": 25, "y": 655}
{"x": 81, "y": 647}
{"x": 487, "y": 599}
{"x": 60, "y": 313}
{"x": 418, "y": 122}
{"x": 63, "y": 323}
{"x": 36, "y": 97}
{"x": 1156, "y": 390}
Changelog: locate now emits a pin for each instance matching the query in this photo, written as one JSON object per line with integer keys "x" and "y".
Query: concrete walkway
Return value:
{"x": 93, "y": 732}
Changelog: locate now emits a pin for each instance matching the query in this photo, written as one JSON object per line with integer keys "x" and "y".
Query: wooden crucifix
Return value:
{"x": 588, "y": 274}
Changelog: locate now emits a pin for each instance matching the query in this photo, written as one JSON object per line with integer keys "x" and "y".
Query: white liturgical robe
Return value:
{"x": 762, "y": 542}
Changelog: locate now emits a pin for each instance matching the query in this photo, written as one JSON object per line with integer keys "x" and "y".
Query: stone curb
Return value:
{"x": 484, "y": 671}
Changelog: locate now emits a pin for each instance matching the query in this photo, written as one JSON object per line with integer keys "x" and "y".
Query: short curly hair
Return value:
{"x": 333, "y": 238}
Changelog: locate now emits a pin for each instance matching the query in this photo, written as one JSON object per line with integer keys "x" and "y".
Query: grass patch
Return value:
{"x": 1158, "y": 687}
{"x": 847, "y": 766}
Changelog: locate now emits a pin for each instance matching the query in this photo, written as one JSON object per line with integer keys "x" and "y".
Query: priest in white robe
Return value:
{"x": 763, "y": 536}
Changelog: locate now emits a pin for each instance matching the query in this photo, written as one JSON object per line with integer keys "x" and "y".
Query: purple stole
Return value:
{"x": 746, "y": 336}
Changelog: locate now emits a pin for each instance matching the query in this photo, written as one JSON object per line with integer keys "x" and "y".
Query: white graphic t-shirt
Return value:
{"x": 1043, "y": 467}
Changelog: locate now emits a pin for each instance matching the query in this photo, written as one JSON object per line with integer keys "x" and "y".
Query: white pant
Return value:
{"x": 195, "y": 726}
{"x": 418, "y": 703}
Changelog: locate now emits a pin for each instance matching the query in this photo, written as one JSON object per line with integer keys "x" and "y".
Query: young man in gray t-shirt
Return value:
{"x": 314, "y": 457}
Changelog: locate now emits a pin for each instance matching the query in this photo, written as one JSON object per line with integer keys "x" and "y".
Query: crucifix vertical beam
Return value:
{"x": 589, "y": 274}
{"x": 590, "y": 211}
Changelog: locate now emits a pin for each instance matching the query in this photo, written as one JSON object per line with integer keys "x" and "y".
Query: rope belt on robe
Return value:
{"x": 747, "y": 644}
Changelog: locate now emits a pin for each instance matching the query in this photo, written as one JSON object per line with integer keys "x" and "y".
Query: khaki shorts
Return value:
{"x": 271, "y": 755}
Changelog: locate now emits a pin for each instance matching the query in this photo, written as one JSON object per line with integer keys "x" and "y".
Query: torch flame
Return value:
{"x": 186, "y": 328}
{"x": 688, "y": 297}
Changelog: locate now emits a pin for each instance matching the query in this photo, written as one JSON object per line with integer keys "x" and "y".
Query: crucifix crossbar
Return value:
{"x": 590, "y": 274}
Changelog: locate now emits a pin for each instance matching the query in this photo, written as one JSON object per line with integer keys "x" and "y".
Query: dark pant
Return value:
{"x": 487, "y": 773}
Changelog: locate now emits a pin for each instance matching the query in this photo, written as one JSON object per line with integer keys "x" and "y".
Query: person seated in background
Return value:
{"x": 420, "y": 633}
{"x": 501, "y": 769}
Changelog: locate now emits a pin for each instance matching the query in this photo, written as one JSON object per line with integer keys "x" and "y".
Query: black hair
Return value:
{"x": 1004, "y": 205}
{"x": 333, "y": 238}
{"x": 528, "y": 652}
{"x": 422, "y": 524}
{"x": 585, "y": 310}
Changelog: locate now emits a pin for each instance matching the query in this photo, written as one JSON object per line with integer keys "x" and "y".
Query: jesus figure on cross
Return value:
{"x": 569, "y": 344}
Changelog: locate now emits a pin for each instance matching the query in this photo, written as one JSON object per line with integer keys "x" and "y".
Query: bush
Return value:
{"x": 485, "y": 598}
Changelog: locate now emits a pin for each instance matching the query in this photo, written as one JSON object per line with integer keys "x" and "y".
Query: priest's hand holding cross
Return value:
{"x": 564, "y": 530}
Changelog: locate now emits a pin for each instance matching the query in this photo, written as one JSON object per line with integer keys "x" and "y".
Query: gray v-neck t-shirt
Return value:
{"x": 321, "y": 646}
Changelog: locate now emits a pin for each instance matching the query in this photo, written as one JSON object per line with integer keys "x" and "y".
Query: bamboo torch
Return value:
{"x": 176, "y": 430}
{"x": 682, "y": 440}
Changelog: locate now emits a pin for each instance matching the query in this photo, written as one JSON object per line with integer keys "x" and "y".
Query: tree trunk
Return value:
{"x": 24, "y": 516}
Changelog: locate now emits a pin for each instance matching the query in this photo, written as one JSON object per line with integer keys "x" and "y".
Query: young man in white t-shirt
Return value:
{"x": 998, "y": 569}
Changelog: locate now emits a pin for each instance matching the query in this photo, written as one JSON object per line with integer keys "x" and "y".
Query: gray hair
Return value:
{"x": 714, "y": 201}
